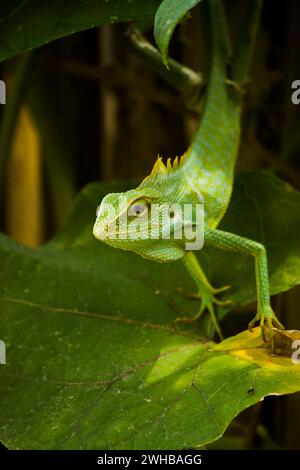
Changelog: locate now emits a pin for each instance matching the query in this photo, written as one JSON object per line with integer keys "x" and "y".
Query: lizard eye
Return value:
{"x": 137, "y": 209}
{"x": 98, "y": 210}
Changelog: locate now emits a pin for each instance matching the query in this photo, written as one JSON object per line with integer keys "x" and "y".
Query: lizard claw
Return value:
{"x": 217, "y": 290}
{"x": 213, "y": 290}
{"x": 188, "y": 295}
{"x": 206, "y": 303}
{"x": 267, "y": 324}
{"x": 208, "y": 298}
{"x": 223, "y": 303}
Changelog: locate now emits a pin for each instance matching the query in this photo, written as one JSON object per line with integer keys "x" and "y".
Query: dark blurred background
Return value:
{"x": 90, "y": 110}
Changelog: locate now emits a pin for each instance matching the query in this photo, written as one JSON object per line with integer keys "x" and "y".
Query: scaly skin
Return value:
{"x": 204, "y": 173}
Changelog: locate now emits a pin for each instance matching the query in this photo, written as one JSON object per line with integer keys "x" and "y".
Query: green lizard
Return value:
{"x": 204, "y": 173}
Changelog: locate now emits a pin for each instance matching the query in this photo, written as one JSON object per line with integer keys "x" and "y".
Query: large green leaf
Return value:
{"x": 92, "y": 360}
{"x": 32, "y": 23}
{"x": 168, "y": 15}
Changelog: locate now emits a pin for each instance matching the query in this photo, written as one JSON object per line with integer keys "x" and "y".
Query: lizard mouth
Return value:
{"x": 100, "y": 233}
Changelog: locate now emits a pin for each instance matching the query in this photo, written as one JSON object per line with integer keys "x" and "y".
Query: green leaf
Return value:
{"x": 92, "y": 359}
{"x": 168, "y": 15}
{"x": 32, "y": 23}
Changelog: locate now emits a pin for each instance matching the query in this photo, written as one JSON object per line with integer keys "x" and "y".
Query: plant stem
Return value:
{"x": 181, "y": 78}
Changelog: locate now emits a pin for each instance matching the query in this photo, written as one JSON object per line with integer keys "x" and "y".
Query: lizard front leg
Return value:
{"x": 205, "y": 292}
{"x": 231, "y": 242}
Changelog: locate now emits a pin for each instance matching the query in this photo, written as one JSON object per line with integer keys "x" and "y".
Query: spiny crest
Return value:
{"x": 161, "y": 169}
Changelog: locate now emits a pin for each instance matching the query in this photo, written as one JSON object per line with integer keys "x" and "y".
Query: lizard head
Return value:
{"x": 144, "y": 220}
